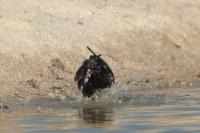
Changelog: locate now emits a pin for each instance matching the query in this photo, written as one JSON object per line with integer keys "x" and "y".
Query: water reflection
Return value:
{"x": 96, "y": 115}
{"x": 151, "y": 119}
{"x": 144, "y": 113}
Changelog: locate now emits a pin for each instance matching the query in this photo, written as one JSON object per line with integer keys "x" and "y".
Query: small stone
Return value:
{"x": 4, "y": 108}
{"x": 177, "y": 46}
{"x": 128, "y": 81}
{"x": 190, "y": 84}
{"x": 32, "y": 83}
{"x": 29, "y": 21}
{"x": 80, "y": 23}
{"x": 148, "y": 79}
{"x": 119, "y": 101}
{"x": 135, "y": 82}
{"x": 55, "y": 92}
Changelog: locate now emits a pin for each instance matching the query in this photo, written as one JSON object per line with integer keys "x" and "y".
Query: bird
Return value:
{"x": 93, "y": 75}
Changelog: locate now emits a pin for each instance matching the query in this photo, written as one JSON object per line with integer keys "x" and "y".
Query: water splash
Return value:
{"x": 116, "y": 95}
{"x": 124, "y": 95}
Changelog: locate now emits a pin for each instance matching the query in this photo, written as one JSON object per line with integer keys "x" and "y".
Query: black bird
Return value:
{"x": 94, "y": 75}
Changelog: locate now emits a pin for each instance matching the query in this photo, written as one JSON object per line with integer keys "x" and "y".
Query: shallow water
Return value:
{"x": 141, "y": 113}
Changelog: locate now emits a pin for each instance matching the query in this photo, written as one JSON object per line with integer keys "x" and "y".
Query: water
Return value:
{"x": 118, "y": 111}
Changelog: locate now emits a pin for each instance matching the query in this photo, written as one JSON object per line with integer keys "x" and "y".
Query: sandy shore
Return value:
{"x": 42, "y": 43}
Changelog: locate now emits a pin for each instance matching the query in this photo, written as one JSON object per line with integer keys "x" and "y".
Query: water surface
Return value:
{"x": 130, "y": 114}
